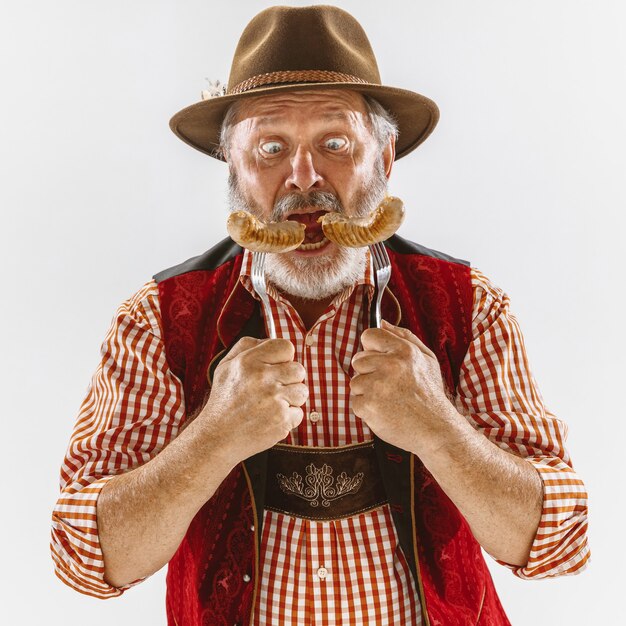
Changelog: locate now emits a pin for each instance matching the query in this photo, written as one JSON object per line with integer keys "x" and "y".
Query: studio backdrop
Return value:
{"x": 523, "y": 176}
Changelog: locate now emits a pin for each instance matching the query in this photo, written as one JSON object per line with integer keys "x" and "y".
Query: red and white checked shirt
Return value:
{"x": 349, "y": 571}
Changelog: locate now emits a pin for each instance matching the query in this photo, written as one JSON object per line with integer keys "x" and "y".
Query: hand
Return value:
{"x": 256, "y": 396}
{"x": 398, "y": 390}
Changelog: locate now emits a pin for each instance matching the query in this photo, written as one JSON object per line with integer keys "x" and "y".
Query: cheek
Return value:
{"x": 259, "y": 185}
{"x": 359, "y": 169}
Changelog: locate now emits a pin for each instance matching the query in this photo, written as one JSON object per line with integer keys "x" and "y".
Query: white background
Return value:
{"x": 523, "y": 176}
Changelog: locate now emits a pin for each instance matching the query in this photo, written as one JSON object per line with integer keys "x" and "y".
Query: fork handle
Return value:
{"x": 375, "y": 316}
{"x": 270, "y": 321}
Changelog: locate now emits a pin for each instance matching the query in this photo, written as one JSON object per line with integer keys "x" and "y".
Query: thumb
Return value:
{"x": 245, "y": 343}
{"x": 405, "y": 333}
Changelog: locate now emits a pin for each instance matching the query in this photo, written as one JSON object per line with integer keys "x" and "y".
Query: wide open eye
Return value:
{"x": 335, "y": 143}
{"x": 271, "y": 147}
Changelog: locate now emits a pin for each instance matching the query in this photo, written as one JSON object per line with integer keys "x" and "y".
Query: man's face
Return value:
{"x": 296, "y": 156}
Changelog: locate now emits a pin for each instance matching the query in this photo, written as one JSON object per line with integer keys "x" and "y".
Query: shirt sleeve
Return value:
{"x": 133, "y": 408}
{"x": 499, "y": 396}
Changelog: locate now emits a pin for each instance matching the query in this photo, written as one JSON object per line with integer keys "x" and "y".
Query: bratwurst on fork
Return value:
{"x": 354, "y": 232}
{"x": 249, "y": 232}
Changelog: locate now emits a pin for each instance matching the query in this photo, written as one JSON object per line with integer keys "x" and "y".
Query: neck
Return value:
{"x": 309, "y": 310}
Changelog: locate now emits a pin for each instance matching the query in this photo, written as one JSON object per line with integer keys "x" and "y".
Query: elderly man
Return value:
{"x": 338, "y": 473}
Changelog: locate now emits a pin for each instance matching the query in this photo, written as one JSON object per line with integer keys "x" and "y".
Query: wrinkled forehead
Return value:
{"x": 327, "y": 105}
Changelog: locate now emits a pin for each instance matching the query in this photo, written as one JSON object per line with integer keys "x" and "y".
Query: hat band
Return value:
{"x": 294, "y": 76}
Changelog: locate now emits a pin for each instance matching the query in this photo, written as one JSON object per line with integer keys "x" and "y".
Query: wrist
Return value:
{"x": 450, "y": 435}
{"x": 213, "y": 442}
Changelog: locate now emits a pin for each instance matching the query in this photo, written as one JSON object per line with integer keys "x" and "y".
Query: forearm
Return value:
{"x": 499, "y": 494}
{"x": 144, "y": 514}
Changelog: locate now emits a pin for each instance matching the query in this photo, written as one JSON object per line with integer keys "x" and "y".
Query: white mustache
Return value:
{"x": 294, "y": 201}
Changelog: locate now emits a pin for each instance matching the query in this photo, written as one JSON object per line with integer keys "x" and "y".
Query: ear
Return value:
{"x": 389, "y": 155}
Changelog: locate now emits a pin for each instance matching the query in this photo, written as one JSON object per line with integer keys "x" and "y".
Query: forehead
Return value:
{"x": 324, "y": 105}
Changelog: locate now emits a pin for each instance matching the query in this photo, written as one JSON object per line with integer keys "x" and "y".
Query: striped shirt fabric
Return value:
{"x": 349, "y": 571}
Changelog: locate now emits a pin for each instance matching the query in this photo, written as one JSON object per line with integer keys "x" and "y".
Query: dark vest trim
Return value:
{"x": 227, "y": 249}
{"x": 219, "y": 254}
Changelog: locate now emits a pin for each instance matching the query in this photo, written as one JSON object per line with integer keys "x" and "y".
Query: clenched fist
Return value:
{"x": 398, "y": 389}
{"x": 256, "y": 396}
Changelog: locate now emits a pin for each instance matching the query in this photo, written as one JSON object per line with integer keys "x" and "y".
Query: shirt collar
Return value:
{"x": 366, "y": 280}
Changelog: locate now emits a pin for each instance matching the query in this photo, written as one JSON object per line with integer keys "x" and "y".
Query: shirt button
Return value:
{"x": 309, "y": 340}
{"x": 246, "y": 578}
{"x": 252, "y": 528}
{"x": 314, "y": 416}
{"x": 322, "y": 572}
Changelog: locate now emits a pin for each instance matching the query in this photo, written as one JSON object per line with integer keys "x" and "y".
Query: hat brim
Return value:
{"x": 199, "y": 124}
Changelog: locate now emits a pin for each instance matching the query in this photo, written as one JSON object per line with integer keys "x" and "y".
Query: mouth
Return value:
{"x": 314, "y": 238}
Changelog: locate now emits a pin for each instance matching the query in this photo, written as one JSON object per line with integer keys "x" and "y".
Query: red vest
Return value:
{"x": 212, "y": 578}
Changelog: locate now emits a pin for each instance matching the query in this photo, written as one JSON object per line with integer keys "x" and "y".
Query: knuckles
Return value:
{"x": 370, "y": 338}
{"x": 304, "y": 394}
{"x": 356, "y": 386}
{"x": 386, "y": 342}
{"x": 295, "y": 370}
{"x": 245, "y": 343}
{"x": 280, "y": 348}
{"x": 360, "y": 407}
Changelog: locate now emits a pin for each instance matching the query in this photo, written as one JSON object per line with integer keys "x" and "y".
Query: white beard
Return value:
{"x": 319, "y": 277}
{"x": 316, "y": 278}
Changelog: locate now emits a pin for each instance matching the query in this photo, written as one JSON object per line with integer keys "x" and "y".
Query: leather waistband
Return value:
{"x": 323, "y": 483}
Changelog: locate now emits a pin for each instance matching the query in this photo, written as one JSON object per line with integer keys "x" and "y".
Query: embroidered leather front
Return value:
{"x": 323, "y": 483}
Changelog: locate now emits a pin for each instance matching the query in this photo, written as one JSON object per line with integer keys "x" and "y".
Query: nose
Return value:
{"x": 303, "y": 174}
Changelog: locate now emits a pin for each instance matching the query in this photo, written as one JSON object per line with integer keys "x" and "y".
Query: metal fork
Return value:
{"x": 382, "y": 268}
{"x": 258, "y": 282}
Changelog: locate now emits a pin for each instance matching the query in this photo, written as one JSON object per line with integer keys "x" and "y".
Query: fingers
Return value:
{"x": 295, "y": 395}
{"x": 264, "y": 350}
{"x": 367, "y": 361}
{"x": 405, "y": 333}
{"x": 274, "y": 351}
{"x": 288, "y": 373}
{"x": 294, "y": 415}
{"x": 378, "y": 340}
{"x": 244, "y": 344}
{"x": 392, "y": 338}
{"x": 359, "y": 384}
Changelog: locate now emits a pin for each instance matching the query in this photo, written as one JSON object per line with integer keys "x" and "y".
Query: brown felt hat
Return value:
{"x": 295, "y": 48}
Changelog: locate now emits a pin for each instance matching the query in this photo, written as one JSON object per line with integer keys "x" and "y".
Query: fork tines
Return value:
{"x": 258, "y": 282}
{"x": 382, "y": 269}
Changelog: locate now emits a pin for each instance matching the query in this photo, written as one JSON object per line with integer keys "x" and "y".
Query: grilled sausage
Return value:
{"x": 355, "y": 232}
{"x": 249, "y": 232}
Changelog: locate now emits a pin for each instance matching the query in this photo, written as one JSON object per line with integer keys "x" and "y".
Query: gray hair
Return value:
{"x": 227, "y": 125}
{"x": 382, "y": 123}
